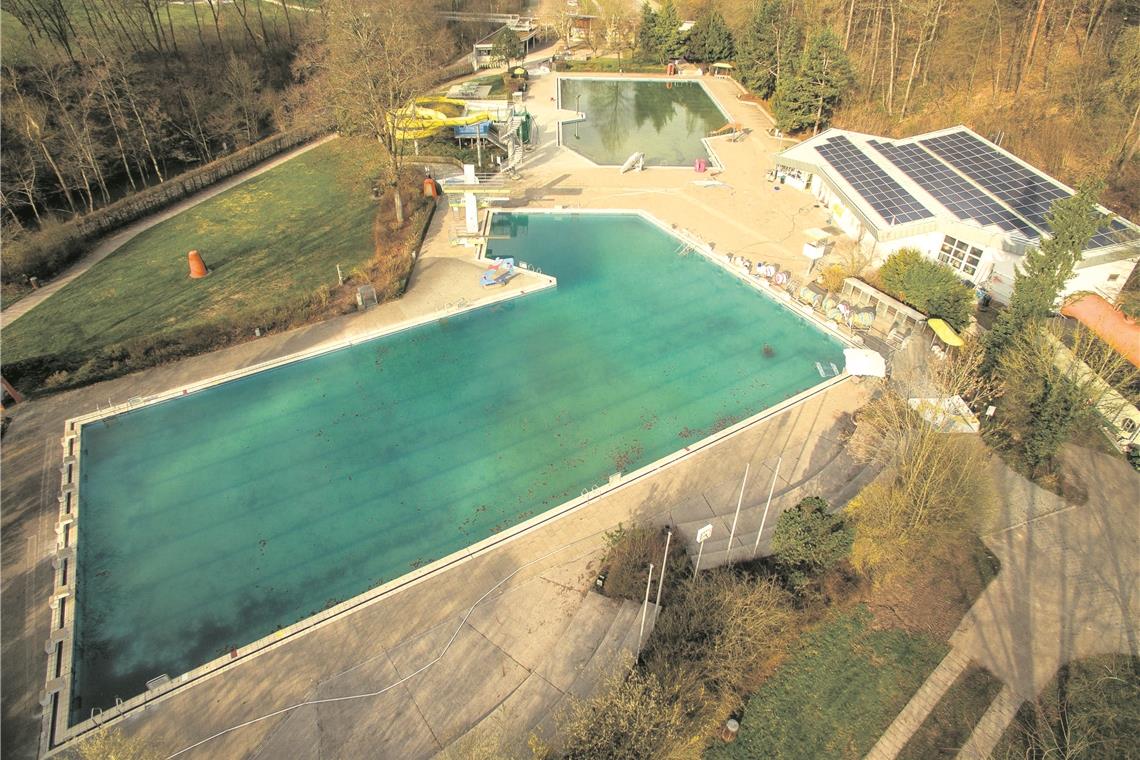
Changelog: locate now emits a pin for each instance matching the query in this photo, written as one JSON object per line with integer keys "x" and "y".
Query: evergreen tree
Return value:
{"x": 507, "y": 47}
{"x": 811, "y": 94}
{"x": 1073, "y": 221}
{"x": 768, "y": 47}
{"x": 710, "y": 40}
{"x": 648, "y": 45}
{"x": 670, "y": 40}
{"x": 1052, "y": 415}
{"x": 809, "y": 540}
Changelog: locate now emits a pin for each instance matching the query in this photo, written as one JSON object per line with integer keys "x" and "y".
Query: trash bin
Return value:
{"x": 700, "y": 165}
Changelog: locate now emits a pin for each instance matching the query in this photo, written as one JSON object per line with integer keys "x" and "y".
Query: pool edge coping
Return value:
{"x": 53, "y": 703}
{"x": 59, "y": 646}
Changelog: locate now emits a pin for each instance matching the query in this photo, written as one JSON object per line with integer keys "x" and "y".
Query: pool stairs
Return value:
{"x": 601, "y": 636}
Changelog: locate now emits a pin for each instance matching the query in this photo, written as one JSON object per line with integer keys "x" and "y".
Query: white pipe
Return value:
{"x": 764, "y": 518}
{"x": 739, "y": 501}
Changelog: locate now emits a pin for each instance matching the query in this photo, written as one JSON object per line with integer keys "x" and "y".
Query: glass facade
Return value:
{"x": 961, "y": 256}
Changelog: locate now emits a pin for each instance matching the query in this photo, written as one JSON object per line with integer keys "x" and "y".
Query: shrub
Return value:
{"x": 627, "y": 562}
{"x": 809, "y": 540}
{"x": 932, "y": 288}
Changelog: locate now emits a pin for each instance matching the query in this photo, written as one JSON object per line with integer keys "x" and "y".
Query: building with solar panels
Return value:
{"x": 956, "y": 197}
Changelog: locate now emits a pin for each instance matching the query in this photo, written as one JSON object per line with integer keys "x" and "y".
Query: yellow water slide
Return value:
{"x": 420, "y": 120}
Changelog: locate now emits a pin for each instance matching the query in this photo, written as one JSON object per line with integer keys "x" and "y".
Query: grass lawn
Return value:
{"x": 952, "y": 720}
{"x": 271, "y": 240}
{"x": 836, "y": 693}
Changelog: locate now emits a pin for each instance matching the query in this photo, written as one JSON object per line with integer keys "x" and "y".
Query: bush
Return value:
{"x": 627, "y": 559}
{"x": 633, "y": 717}
{"x": 809, "y": 541}
{"x": 932, "y": 288}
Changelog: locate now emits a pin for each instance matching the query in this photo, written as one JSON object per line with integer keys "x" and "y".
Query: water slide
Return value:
{"x": 420, "y": 120}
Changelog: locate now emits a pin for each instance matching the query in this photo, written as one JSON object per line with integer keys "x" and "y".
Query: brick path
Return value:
{"x": 937, "y": 683}
{"x": 1067, "y": 590}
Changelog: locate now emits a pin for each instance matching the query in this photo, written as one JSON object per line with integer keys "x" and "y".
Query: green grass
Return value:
{"x": 952, "y": 720}
{"x": 271, "y": 240}
{"x": 836, "y": 694}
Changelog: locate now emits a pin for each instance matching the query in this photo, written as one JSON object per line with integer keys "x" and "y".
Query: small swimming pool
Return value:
{"x": 214, "y": 519}
{"x": 665, "y": 119}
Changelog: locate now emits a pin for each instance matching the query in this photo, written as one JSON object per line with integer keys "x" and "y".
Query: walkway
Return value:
{"x": 1068, "y": 589}
{"x": 109, "y": 245}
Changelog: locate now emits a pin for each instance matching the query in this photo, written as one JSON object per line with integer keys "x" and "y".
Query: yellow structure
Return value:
{"x": 418, "y": 121}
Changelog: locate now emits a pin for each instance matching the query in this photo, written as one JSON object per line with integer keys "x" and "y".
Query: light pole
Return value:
{"x": 764, "y": 518}
{"x": 645, "y": 606}
{"x": 739, "y": 501}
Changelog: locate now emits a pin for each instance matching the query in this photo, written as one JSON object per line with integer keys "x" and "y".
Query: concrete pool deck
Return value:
{"x": 745, "y": 216}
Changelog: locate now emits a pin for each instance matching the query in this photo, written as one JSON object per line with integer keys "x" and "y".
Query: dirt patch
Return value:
{"x": 935, "y": 601}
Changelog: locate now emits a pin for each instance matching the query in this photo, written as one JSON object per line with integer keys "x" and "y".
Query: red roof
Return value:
{"x": 1112, "y": 326}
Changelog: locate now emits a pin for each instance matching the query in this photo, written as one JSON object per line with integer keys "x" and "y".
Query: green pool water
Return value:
{"x": 212, "y": 520}
{"x": 664, "y": 120}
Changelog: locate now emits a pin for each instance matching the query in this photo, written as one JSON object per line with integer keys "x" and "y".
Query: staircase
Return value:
{"x": 600, "y": 637}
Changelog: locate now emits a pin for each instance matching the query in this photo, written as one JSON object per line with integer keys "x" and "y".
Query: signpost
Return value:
{"x": 702, "y": 536}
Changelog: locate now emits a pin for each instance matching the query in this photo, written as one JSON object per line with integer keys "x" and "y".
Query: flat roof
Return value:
{"x": 952, "y": 174}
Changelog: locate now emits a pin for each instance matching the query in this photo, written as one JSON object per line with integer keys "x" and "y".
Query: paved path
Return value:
{"x": 109, "y": 245}
{"x": 912, "y": 716}
{"x": 1068, "y": 589}
{"x": 991, "y": 726}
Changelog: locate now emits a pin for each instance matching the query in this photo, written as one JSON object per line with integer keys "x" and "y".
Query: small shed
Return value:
{"x": 722, "y": 69}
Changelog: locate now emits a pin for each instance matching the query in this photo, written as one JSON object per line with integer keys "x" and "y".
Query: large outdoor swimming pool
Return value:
{"x": 663, "y": 119}
{"x": 212, "y": 520}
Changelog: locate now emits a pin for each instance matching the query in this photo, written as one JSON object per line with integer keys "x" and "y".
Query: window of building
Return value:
{"x": 961, "y": 256}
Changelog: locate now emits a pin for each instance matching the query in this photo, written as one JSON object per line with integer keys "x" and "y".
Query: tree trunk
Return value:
{"x": 1031, "y": 46}
{"x": 894, "y": 49}
{"x": 1130, "y": 146}
{"x": 818, "y": 117}
{"x": 399, "y": 203}
{"x": 850, "y": 20}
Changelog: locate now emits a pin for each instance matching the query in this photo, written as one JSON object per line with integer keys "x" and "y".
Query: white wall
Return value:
{"x": 1095, "y": 279}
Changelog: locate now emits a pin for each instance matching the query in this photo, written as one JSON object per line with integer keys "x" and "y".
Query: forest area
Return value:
{"x": 104, "y": 98}
{"x": 1057, "y": 82}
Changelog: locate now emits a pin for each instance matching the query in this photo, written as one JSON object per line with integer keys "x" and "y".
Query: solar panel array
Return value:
{"x": 888, "y": 198}
{"x": 957, "y": 194}
{"x": 1028, "y": 192}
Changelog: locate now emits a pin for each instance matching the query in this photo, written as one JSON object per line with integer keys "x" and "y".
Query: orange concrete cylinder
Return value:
{"x": 197, "y": 266}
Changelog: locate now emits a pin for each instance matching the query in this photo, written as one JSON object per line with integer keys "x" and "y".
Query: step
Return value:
{"x": 623, "y": 641}
{"x": 583, "y": 635}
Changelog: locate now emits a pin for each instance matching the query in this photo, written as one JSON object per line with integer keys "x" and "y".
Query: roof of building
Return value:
{"x": 952, "y": 174}
{"x": 1110, "y": 325}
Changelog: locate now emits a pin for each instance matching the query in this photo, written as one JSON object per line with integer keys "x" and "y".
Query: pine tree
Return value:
{"x": 1073, "y": 221}
{"x": 824, "y": 75}
{"x": 670, "y": 40}
{"x": 768, "y": 47}
{"x": 710, "y": 39}
{"x": 648, "y": 45}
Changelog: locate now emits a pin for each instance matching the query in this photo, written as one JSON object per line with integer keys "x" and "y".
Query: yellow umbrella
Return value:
{"x": 945, "y": 332}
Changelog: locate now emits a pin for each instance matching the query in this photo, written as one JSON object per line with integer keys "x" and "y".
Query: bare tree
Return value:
{"x": 375, "y": 57}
